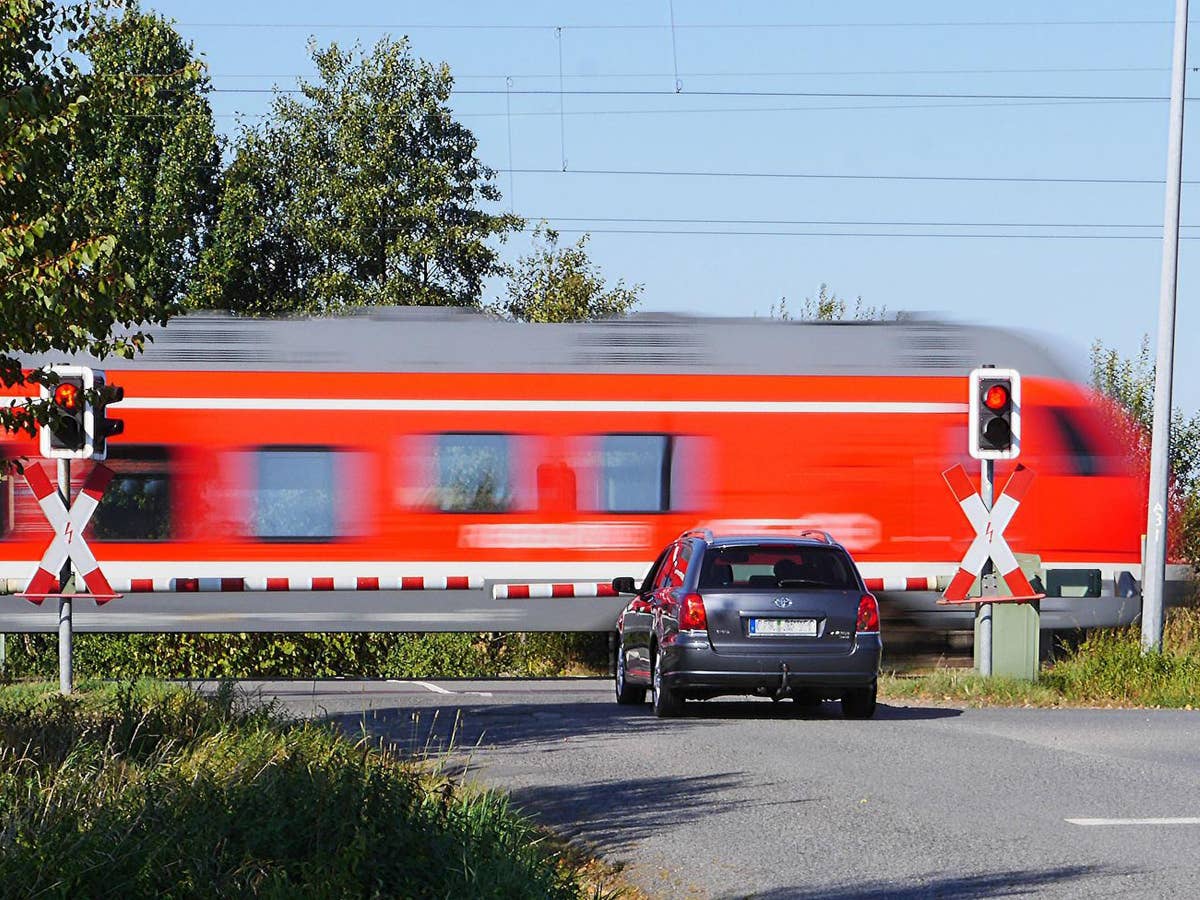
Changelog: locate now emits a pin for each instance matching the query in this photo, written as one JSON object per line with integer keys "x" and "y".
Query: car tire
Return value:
{"x": 666, "y": 702}
{"x": 859, "y": 703}
{"x": 627, "y": 694}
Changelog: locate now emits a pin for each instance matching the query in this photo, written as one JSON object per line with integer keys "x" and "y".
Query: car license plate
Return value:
{"x": 807, "y": 627}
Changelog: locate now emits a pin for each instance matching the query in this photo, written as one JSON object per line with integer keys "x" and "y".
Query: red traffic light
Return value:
{"x": 996, "y": 397}
{"x": 67, "y": 396}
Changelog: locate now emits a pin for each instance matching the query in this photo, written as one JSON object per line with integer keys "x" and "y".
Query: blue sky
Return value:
{"x": 993, "y": 259}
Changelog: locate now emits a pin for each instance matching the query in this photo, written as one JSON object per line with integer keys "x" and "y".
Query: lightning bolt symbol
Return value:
{"x": 989, "y": 531}
{"x": 69, "y": 532}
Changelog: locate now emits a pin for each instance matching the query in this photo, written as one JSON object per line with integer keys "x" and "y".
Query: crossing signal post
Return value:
{"x": 69, "y": 433}
{"x": 994, "y": 432}
{"x": 104, "y": 426}
{"x": 995, "y": 414}
{"x": 78, "y": 428}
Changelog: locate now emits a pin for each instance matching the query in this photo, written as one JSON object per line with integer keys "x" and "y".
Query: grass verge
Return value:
{"x": 1107, "y": 669}
{"x": 146, "y": 790}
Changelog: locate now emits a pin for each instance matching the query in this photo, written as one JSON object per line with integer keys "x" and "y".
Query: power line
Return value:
{"x": 695, "y": 26}
{"x": 832, "y": 95}
{"x": 697, "y": 110}
{"x": 869, "y": 234}
{"x": 1002, "y": 179}
{"x": 756, "y": 74}
{"x": 914, "y": 223}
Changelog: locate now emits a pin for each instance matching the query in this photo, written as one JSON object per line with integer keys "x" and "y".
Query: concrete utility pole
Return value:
{"x": 1154, "y": 569}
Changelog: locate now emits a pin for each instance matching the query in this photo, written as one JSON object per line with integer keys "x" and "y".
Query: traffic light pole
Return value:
{"x": 987, "y": 474}
{"x": 1154, "y": 562}
{"x": 65, "y": 675}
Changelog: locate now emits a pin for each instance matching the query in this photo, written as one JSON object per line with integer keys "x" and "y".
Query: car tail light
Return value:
{"x": 691, "y": 613}
{"x": 868, "y": 614}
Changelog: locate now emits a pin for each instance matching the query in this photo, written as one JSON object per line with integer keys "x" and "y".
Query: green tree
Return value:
{"x": 554, "y": 284}
{"x": 362, "y": 190}
{"x": 62, "y": 284}
{"x": 1129, "y": 382}
{"x": 147, "y": 162}
{"x": 829, "y": 307}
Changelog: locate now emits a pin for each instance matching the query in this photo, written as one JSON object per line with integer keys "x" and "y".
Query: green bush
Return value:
{"x": 312, "y": 655}
{"x": 147, "y": 792}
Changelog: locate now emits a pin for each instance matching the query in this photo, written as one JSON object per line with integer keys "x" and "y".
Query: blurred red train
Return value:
{"x": 428, "y": 442}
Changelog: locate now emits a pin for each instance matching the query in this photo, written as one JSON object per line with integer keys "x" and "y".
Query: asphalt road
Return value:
{"x": 751, "y": 799}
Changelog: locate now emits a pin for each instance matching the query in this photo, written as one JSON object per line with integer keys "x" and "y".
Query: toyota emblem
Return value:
{"x": 782, "y": 602}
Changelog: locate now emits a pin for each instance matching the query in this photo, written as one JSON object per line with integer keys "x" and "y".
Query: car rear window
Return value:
{"x": 776, "y": 566}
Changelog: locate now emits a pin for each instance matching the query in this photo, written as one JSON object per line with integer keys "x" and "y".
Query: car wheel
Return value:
{"x": 859, "y": 703}
{"x": 666, "y": 702}
{"x": 627, "y": 694}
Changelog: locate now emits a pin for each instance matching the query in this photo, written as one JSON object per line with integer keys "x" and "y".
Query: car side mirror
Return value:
{"x": 624, "y": 585}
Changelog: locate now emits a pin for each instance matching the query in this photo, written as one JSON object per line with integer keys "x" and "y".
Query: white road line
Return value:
{"x": 440, "y": 690}
{"x": 1185, "y": 820}
{"x": 433, "y": 687}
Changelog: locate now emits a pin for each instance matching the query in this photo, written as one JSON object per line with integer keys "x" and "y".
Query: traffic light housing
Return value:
{"x": 69, "y": 433}
{"x": 994, "y": 414}
{"x": 104, "y": 426}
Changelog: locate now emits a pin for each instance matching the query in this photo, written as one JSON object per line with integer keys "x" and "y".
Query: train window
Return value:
{"x": 633, "y": 473}
{"x": 137, "y": 504}
{"x": 473, "y": 472}
{"x": 295, "y": 492}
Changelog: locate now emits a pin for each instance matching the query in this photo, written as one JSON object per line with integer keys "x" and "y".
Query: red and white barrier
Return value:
{"x": 902, "y": 583}
{"x": 527, "y": 591}
{"x": 290, "y": 583}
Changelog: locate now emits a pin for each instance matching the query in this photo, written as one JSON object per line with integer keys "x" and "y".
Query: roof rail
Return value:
{"x": 820, "y": 535}
{"x": 705, "y": 533}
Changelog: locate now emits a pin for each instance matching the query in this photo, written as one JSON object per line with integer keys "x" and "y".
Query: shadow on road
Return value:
{"x": 1015, "y": 883}
{"x": 462, "y": 724}
{"x": 619, "y": 814}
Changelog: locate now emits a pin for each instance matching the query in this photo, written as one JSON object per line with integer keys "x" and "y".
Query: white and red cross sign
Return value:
{"x": 989, "y": 540}
{"x": 68, "y": 543}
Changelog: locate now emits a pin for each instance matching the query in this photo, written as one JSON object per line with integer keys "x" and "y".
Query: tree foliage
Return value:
{"x": 1129, "y": 382}
{"x": 106, "y": 172}
{"x": 554, "y": 284}
{"x": 362, "y": 190}
{"x": 147, "y": 162}
{"x": 827, "y": 306}
{"x": 63, "y": 285}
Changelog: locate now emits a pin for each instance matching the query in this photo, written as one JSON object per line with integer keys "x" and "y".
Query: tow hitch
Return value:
{"x": 784, "y": 687}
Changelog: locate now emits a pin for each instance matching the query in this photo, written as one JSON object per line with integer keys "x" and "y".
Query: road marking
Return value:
{"x": 433, "y": 687}
{"x": 440, "y": 690}
{"x": 1186, "y": 820}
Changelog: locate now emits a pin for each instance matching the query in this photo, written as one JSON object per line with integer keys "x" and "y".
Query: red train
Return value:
{"x": 418, "y": 442}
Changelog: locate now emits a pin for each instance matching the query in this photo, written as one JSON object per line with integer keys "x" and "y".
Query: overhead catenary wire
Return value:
{"x": 865, "y": 234}
{"x": 832, "y": 95}
{"x": 698, "y": 26}
{"x": 915, "y": 223}
{"x": 846, "y": 176}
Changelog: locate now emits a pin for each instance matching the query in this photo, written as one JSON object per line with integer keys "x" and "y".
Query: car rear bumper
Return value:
{"x": 691, "y": 663}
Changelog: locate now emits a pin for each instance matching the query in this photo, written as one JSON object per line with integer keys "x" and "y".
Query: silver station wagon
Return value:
{"x": 769, "y": 616}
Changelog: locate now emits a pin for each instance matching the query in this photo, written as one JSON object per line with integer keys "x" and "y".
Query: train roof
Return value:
{"x": 430, "y": 339}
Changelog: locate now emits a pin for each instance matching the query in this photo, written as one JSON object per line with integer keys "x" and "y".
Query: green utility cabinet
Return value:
{"x": 1016, "y": 627}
